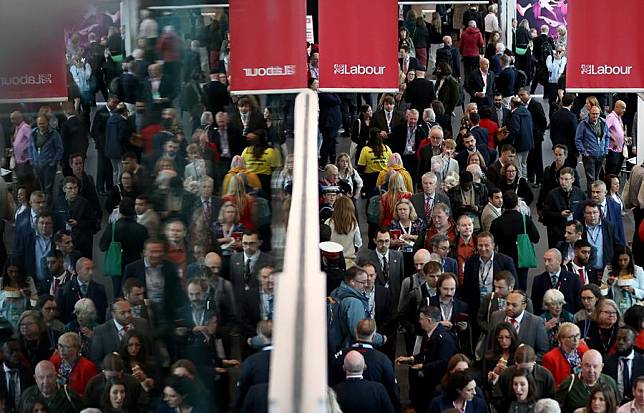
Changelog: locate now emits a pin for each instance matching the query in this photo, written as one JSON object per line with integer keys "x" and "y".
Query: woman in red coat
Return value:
{"x": 73, "y": 369}
{"x": 564, "y": 360}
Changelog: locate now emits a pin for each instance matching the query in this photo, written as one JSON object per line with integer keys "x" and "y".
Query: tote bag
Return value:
{"x": 525, "y": 249}
{"x": 113, "y": 256}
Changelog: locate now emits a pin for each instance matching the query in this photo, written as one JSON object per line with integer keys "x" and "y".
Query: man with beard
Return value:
{"x": 626, "y": 364}
{"x": 581, "y": 258}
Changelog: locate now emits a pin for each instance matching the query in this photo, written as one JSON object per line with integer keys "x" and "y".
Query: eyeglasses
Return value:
{"x": 610, "y": 313}
{"x": 361, "y": 282}
{"x": 573, "y": 337}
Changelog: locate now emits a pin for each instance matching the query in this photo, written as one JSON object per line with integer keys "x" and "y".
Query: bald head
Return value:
{"x": 620, "y": 107}
{"x": 354, "y": 363}
{"x": 471, "y": 23}
{"x": 45, "y": 375}
{"x": 421, "y": 257}
{"x": 591, "y": 367}
{"x": 213, "y": 262}
{"x": 16, "y": 118}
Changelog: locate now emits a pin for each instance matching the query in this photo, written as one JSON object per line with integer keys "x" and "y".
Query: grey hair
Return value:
{"x": 85, "y": 311}
{"x": 547, "y": 406}
{"x": 500, "y": 47}
{"x": 553, "y": 296}
{"x": 431, "y": 115}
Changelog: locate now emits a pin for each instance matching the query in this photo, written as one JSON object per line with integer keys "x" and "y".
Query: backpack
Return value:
{"x": 546, "y": 50}
{"x": 335, "y": 335}
{"x": 373, "y": 210}
{"x": 444, "y": 55}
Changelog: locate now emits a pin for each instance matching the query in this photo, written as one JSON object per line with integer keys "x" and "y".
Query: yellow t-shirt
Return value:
{"x": 371, "y": 162}
{"x": 270, "y": 159}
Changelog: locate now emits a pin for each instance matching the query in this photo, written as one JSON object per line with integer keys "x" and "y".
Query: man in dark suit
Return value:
{"x": 244, "y": 121}
{"x": 601, "y": 235}
{"x": 33, "y": 247}
{"x": 503, "y": 285}
{"x": 406, "y": 62}
{"x": 161, "y": 281}
{"x": 379, "y": 368}
{"x": 430, "y": 363}
{"x": 406, "y": 138}
{"x": 493, "y": 173}
{"x": 107, "y": 336}
{"x": 424, "y": 201}
{"x": 329, "y": 122}
{"x": 73, "y": 134}
{"x": 563, "y": 126}
{"x": 382, "y": 310}
{"x": 539, "y": 124}
{"x": 59, "y": 275}
{"x": 559, "y": 205}
{"x": 27, "y": 220}
{"x": 255, "y": 369}
{"x": 217, "y": 95}
{"x": 449, "y": 55}
{"x": 388, "y": 118}
{"x": 81, "y": 286}
{"x": 357, "y": 394}
{"x": 579, "y": 264}
{"x": 609, "y": 210}
{"x": 452, "y": 309}
{"x": 626, "y": 361}
{"x": 558, "y": 278}
{"x": 530, "y": 327}
{"x": 483, "y": 265}
{"x": 75, "y": 213}
{"x": 480, "y": 134}
{"x": 506, "y": 78}
{"x": 16, "y": 377}
{"x": 500, "y": 114}
{"x": 420, "y": 92}
{"x": 480, "y": 84}
{"x": 469, "y": 141}
{"x": 257, "y": 303}
{"x": 551, "y": 174}
{"x": 507, "y": 228}
{"x": 245, "y": 265}
{"x": 389, "y": 264}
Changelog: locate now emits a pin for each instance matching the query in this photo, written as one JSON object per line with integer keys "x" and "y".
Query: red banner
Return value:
{"x": 598, "y": 62}
{"x": 268, "y": 52}
{"x": 358, "y": 45}
{"x": 32, "y": 67}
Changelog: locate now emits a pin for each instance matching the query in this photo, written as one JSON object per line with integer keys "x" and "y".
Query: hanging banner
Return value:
{"x": 269, "y": 50}
{"x": 362, "y": 55}
{"x": 33, "y": 68}
{"x": 604, "y": 63}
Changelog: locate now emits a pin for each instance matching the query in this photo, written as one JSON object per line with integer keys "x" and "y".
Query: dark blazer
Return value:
{"x": 458, "y": 308}
{"x": 217, "y": 96}
{"x": 613, "y": 215}
{"x": 556, "y": 201}
{"x": 237, "y": 266}
{"x": 490, "y": 304}
{"x": 505, "y": 117}
{"x": 359, "y": 395}
{"x": 117, "y": 136}
{"x": 608, "y": 243}
{"x": 25, "y": 252}
{"x": 74, "y": 137}
{"x": 594, "y": 277}
{"x": 637, "y": 369}
{"x": 398, "y": 138}
{"x": 450, "y": 94}
{"x": 379, "y": 120}
{"x": 470, "y": 292}
{"x": 442, "y": 403}
{"x": 26, "y": 378}
{"x": 254, "y": 370}
{"x": 505, "y": 81}
{"x": 256, "y": 400}
{"x": 70, "y": 293}
{"x": 521, "y": 132}
{"x": 420, "y": 94}
{"x": 250, "y": 311}
{"x": 396, "y": 271}
{"x": 236, "y": 146}
{"x": 531, "y": 331}
{"x": 236, "y": 128}
{"x": 568, "y": 284}
{"x": 418, "y": 201}
{"x": 384, "y": 310}
{"x": 435, "y": 352}
{"x": 506, "y": 230}
{"x": 476, "y": 84}
{"x": 98, "y": 127}
{"x": 450, "y": 265}
{"x": 85, "y": 215}
{"x": 106, "y": 338}
{"x": 481, "y": 134}
{"x": 412, "y": 66}
{"x": 462, "y": 156}
{"x": 539, "y": 120}
{"x": 131, "y": 235}
{"x": 173, "y": 296}
{"x": 563, "y": 126}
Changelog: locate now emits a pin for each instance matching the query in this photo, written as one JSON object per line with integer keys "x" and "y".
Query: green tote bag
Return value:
{"x": 525, "y": 249}
{"x": 112, "y": 266}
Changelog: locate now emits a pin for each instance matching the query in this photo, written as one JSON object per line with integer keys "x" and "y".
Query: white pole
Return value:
{"x": 298, "y": 380}
{"x": 640, "y": 128}
{"x": 509, "y": 12}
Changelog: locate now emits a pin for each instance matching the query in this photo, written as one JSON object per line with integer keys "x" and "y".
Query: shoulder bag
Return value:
{"x": 113, "y": 256}
{"x": 525, "y": 249}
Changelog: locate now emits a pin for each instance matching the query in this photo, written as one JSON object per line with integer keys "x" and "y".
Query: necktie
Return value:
{"x": 56, "y": 285}
{"x": 582, "y": 278}
{"x": 385, "y": 270}
{"x": 428, "y": 208}
{"x": 406, "y": 66}
{"x": 514, "y": 323}
{"x": 388, "y": 115}
{"x": 247, "y": 274}
{"x": 553, "y": 280}
{"x": 12, "y": 390}
{"x": 269, "y": 315}
{"x": 601, "y": 211}
{"x": 626, "y": 375}
{"x": 206, "y": 209}
{"x": 83, "y": 289}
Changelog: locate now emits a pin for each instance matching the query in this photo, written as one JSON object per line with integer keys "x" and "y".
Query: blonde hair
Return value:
{"x": 449, "y": 144}
{"x": 237, "y": 191}
{"x": 395, "y": 188}
{"x": 228, "y": 204}
{"x": 412, "y": 211}
{"x": 350, "y": 165}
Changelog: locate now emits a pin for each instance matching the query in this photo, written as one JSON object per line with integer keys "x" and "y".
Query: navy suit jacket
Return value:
{"x": 637, "y": 370}
{"x": 481, "y": 134}
{"x": 25, "y": 252}
{"x": 608, "y": 244}
{"x": 450, "y": 265}
{"x": 613, "y": 214}
{"x": 470, "y": 292}
{"x": 359, "y": 395}
{"x": 463, "y": 155}
{"x": 568, "y": 284}
{"x": 458, "y": 307}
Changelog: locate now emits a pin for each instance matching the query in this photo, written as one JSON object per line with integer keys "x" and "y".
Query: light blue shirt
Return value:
{"x": 596, "y": 240}
{"x": 43, "y": 249}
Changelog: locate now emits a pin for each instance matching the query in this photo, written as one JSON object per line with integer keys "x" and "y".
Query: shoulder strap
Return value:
{"x": 524, "y": 227}
{"x": 113, "y": 230}
{"x": 572, "y": 381}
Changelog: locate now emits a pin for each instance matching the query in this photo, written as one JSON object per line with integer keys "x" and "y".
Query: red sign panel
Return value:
{"x": 604, "y": 62}
{"x": 269, "y": 47}
{"x": 359, "y": 53}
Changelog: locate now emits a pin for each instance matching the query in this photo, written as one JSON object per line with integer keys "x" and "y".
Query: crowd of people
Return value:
{"x": 427, "y": 232}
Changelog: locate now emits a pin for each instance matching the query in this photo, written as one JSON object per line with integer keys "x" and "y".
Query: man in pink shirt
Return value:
{"x": 615, "y": 126}
{"x": 22, "y": 131}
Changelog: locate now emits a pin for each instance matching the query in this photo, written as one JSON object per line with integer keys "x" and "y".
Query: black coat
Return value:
{"x": 637, "y": 369}
{"x": 506, "y": 230}
{"x": 217, "y": 96}
{"x": 362, "y": 396}
{"x": 471, "y": 291}
{"x": 379, "y": 120}
{"x": 539, "y": 121}
{"x": 130, "y": 234}
{"x": 450, "y": 94}
{"x": 398, "y": 138}
{"x": 85, "y": 216}
{"x": 420, "y": 94}
{"x": 505, "y": 81}
{"x": 117, "y": 136}
{"x": 74, "y": 137}
{"x": 556, "y": 201}
{"x": 550, "y": 182}
{"x": 476, "y": 84}
{"x": 568, "y": 284}
{"x": 70, "y": 293}
{"x": 236, "y": 136}
{"x": 254, "y": 370}
{"x": 481, "y": 134}
{"x": 563, "y": 127}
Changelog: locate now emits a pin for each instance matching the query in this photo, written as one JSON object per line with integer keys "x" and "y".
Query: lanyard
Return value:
{"x": 448, "y": 316}
{"x": 594, "y": 237}
{"x": 485, "y": 272}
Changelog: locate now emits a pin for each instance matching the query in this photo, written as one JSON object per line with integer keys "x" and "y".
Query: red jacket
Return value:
{"x": 555, "y": 362}
{"x": 82, "y": 372}
{"x": 471, "y": 42}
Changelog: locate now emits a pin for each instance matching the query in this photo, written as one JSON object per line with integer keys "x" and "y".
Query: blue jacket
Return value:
{"x": 353, "y": 308}
{"x": 117, "y": 136}
{"x": 51, "y": 151}
{"x": 442, "y": 403}
{"x": 586, "y": 141}
{"x": 330, "y": 114}
{"x": 520, "y": 126}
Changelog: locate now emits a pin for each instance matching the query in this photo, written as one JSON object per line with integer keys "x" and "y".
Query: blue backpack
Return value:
{"x": 334, "y": 330}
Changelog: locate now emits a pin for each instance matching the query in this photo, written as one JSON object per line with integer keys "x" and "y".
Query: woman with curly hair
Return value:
{"x": 137, "y": 359}
{"x": 17, "y": 292}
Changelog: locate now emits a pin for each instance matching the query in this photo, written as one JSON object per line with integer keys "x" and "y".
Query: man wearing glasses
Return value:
{"x": 388, "y": 264}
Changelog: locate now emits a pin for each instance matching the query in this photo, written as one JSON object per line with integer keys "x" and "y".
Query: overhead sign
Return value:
{"x": 604, "y": 63}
